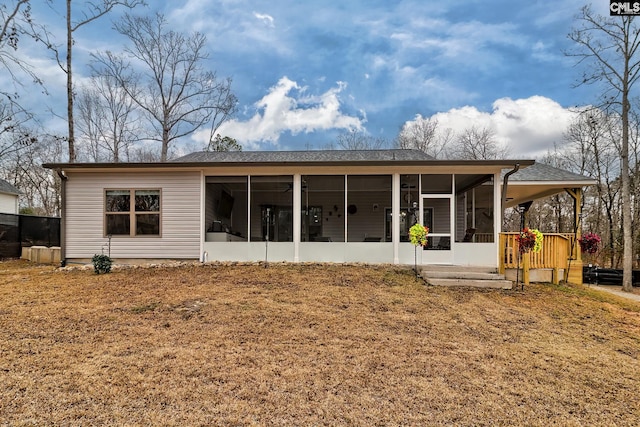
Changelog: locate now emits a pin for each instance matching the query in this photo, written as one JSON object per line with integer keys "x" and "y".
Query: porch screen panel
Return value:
{"x": 409, "y": 205}
{"x": 368, "y": 198}
{"x": 436, "y": 215}
{"x": 440, "y": 215}
{"x": 484, "y": 213}
{"x": 474, "y": 208}
{"x": 226, "y": 206}
{"x": 436, "y": 184}
{"x": 323, "y": 208}
{"x": 272, "y": 208}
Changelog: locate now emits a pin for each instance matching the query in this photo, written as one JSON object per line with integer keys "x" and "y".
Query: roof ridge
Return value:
{"x": 389, "y": 154}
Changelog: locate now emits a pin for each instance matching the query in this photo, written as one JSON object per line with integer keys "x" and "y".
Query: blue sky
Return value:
{"x": 304, "y": 72}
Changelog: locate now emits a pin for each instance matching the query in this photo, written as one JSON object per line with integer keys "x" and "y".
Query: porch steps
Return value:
{"x": 475, "y": 277}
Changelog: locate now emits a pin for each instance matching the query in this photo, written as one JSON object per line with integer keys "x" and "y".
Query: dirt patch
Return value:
{"x": 308, "y": 345}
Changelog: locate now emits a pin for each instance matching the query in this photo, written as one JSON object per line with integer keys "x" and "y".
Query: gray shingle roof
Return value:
{"x": 543, "y": 172}
{"x": 304, "y": 156}
{"x": 7, "y": 188}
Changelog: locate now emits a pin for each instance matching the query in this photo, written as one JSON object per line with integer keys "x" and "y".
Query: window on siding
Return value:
{"x": 132, "y": 212}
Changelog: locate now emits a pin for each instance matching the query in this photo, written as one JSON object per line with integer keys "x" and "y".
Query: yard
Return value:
{"x": 308, "y": 345}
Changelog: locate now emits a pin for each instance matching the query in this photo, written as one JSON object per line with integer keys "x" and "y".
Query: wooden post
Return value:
{"x": 526, "y": 259}
{"x": 556, "y": 256}
{"x": 574, "y": 275}
{"x": 556, "y": 275}
{"x": 503, "y": 253}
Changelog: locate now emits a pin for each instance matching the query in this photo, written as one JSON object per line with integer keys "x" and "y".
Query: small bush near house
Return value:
{"x": 101, "y": 264}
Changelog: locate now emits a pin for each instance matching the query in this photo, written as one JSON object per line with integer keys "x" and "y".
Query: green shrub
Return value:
{"x": 101, "y": 263}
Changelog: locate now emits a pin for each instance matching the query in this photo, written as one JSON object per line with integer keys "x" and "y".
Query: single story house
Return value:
{"x": 298, "y": 206}
{"x": 8, "y": 198}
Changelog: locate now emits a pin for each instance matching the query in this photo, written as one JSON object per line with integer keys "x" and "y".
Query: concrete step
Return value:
{"x": 462, "y": 274}
{"x": 456, "y": 275}
{"x": 455, "y": 268}
{"x": 474, "y": 283}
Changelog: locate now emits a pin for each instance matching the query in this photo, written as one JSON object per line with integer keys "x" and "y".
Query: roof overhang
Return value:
{"x": 488, "y": 164}
{"x": 525, "y": 191}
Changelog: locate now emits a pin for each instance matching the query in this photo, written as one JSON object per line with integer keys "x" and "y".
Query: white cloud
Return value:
{"x": 528, "y": 127}
{"x": 286, "y": 108}
{"x": 405, "y": 82}
{"x": 191, "y": 15}
{"x": 469, "y": 42}
{"x": 266, "y": 19}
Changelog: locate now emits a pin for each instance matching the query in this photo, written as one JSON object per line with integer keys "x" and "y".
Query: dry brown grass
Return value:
{"x": 308, "y": 345}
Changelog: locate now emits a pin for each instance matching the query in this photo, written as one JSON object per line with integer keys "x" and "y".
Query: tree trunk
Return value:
{"x": 71, "y": 137}
{"x": 165, "y": 145}
{"x": 627, "y": 254}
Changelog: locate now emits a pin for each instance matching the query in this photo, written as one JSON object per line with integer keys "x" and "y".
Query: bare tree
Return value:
{"x": 477, "y": 143}
{"x": 358, "y": 140}
{"x": 555, "y": 215}
{"x": 176, "y": 93}
{"x": 608, "y": 47}
{"x": 16, "y": 23}
{"x": 144, "y": 153}
{"x": 40, "y": 187}
{"x": 423, "y": 134}
{"x": 227, "y": 106}
{"x": 591, "y": 148}
{"x": 634, "y": 167}
{"x": 14, "y": 136}
{"x": 107, "y": 119}
{"x": 93, "y": 10}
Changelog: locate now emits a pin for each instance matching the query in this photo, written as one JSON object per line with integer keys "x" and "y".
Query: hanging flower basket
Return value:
{"x": 529, "y": 240}
{"x": 589, "y": 243}
{"x": 418, "y": 235}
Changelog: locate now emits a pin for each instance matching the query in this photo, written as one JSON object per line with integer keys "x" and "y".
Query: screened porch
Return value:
{"x": 347, "y": 218}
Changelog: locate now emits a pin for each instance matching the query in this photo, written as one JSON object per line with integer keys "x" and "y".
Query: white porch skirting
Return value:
{"x": 477, "y": 254}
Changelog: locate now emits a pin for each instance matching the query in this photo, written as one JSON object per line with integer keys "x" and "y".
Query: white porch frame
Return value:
{"x": 396, "y": 252}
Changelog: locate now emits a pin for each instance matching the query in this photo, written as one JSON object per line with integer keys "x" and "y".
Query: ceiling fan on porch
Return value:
{"x": 290, "y": 186}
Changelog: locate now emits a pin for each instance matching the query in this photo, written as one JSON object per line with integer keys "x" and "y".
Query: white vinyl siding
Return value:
{"x": 8, "y": 203}
{"x": 180, "y": 219}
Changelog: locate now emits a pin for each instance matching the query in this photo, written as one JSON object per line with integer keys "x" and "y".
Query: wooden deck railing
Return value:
{"x": 555, "y": 252}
